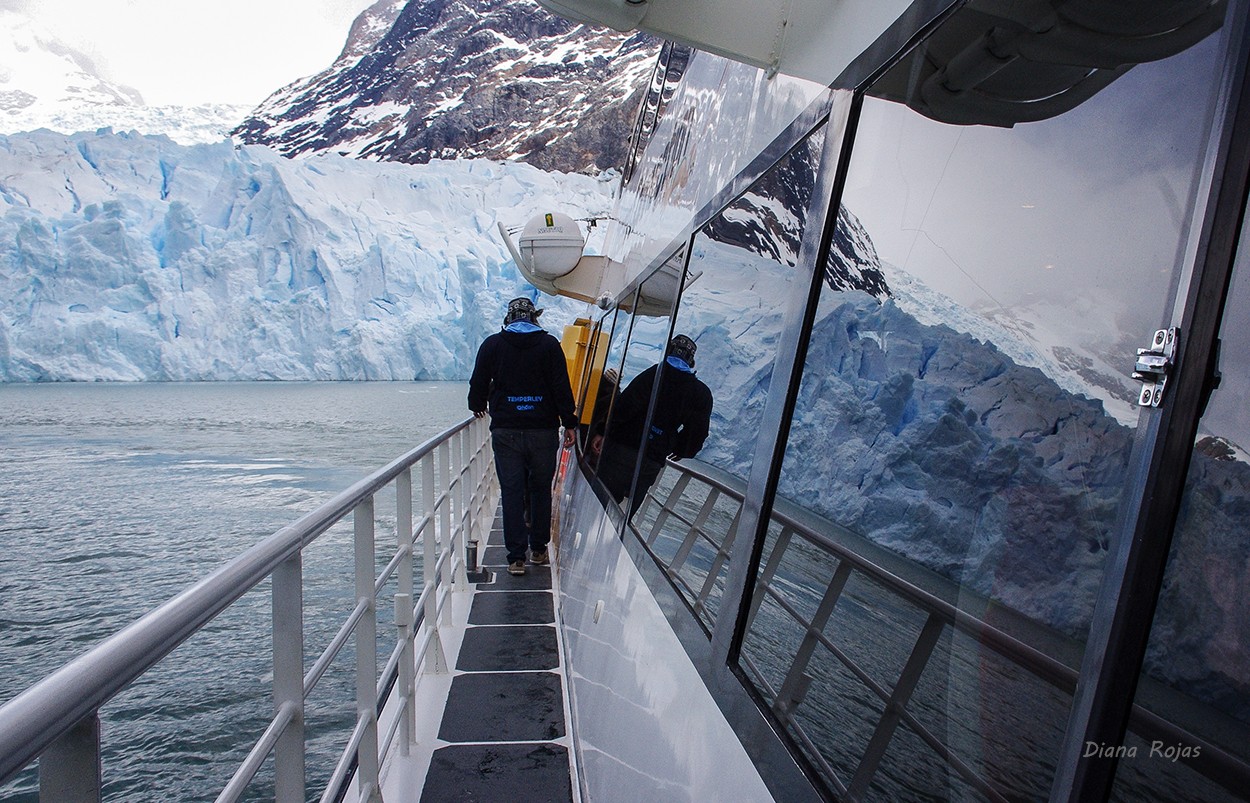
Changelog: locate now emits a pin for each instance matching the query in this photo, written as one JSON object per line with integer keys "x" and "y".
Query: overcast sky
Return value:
{"x": 200, "y": 51}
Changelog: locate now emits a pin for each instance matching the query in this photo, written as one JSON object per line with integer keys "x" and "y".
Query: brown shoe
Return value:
{"x": 517, "y": 567}
{"x": 540, "y": 558}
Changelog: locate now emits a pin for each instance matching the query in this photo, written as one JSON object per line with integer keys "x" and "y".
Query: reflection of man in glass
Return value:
{"x": 521, "y": 373}
{"x": 678, "y": 427}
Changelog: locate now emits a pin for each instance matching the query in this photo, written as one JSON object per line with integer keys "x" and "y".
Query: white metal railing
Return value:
{"x": 57, "y": 720}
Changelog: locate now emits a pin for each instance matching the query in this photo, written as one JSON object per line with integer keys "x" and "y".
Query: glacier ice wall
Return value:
{"x": 129, "y": 257}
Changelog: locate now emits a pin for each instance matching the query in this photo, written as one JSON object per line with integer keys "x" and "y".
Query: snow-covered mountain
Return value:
{"x": 500, "y": 79}
{"x": 44, "y": 83}
{"x": 416, "y": 80}
{"x": 125, "y": 257}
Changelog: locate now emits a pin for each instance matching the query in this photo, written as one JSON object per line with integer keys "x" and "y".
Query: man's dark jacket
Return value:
{"x": 522, "y": 375}
{"x": 682, "y": 414}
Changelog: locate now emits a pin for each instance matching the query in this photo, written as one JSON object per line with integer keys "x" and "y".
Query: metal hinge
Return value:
{"x": 1153, "y": 365}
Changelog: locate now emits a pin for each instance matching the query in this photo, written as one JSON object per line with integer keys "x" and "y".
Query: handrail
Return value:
{"x": 44, "y": 713}
{"x": 243, "y": 775}
{"x": 1212, "y": 761}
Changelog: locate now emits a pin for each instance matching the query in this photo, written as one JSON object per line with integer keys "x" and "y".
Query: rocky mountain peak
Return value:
{"x": 368, "y": 29}
{"x": 500, "y": 79}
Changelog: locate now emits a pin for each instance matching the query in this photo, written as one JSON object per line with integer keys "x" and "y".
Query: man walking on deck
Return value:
{"x": 520, "y": 377}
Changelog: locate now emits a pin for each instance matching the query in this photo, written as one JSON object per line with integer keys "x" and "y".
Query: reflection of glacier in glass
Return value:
{"x": 930, "y": 440}
{"x": 984, "y": 443}
{"x": 927, "y": 440}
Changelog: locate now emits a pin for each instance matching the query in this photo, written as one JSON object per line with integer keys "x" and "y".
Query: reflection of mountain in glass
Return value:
{"x": 941, "y": 447}
{"x": 768, "y": 220}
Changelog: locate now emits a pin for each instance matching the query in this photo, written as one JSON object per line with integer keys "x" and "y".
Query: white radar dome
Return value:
{"x": 551, "y": 244}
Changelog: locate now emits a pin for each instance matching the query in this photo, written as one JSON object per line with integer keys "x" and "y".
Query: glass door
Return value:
{"x": 1190, "y": 733}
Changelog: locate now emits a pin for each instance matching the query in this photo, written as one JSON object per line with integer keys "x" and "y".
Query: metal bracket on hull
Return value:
{"x": 1153, "y": 365}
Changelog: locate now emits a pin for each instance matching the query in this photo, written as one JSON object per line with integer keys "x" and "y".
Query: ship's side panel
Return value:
{"x": 646, "y": 727}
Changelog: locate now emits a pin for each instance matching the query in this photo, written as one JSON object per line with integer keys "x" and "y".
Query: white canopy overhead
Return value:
{"x": 812, "y": 40}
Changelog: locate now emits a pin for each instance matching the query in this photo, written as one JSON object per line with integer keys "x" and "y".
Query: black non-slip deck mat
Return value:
{"x": 518, "y": 773}
{"x": 503, "y": 707}
{"x": 512, "y": 608}
{"x": 508, "y": 648}
{"x": 493, "y": 556}
{"x": 536, "y": 578}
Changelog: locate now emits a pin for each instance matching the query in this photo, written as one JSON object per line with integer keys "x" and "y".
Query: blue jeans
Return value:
{"x": 525, "y": 460}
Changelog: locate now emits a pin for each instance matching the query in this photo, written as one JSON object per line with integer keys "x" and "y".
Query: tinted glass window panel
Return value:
{"x": 739, "y": 282}
{"x": 719, "y": 116}
{"x": 592, "y": 394}
{"x": 964, "y": 424}
{"x": 618, "y": 326}
{"x": 648, "y": 312}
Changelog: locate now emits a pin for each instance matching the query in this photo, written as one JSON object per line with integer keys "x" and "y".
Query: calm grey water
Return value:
{"x": 114, "y": 497}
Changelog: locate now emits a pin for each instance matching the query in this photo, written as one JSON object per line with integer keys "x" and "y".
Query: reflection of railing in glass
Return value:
{"x": 932, "y": 691}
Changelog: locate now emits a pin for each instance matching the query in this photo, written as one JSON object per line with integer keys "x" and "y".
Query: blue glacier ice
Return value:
{"x": 126, "y": 257}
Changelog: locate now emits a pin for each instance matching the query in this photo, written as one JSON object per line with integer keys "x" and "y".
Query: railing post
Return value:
{"x": 697, "y": 529}
{"x": 464, "y": 491}
{"x": 406, "y": 684}
{"x": 770, "y": 569}
{"x": 366, "y": 654}
{"x": 794, "y": 687}
{"x": 670, "y": 504}
{"x": 69, "y": 770}
{"x": 403, "y": 537}
{"x": 489, "y": 478}
{"x": 722, "y": 557}
{"x": 451, "y": 489}
{"x": 472, "y": 492}
{"x": 444, "y": 519}
{"x": 481, "y": 487}
{"x": 435, "y": 660}
{"x": 288, "y": 677}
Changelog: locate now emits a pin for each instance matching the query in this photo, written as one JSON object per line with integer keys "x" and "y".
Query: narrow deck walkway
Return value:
{"x": 504, "y": 726}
